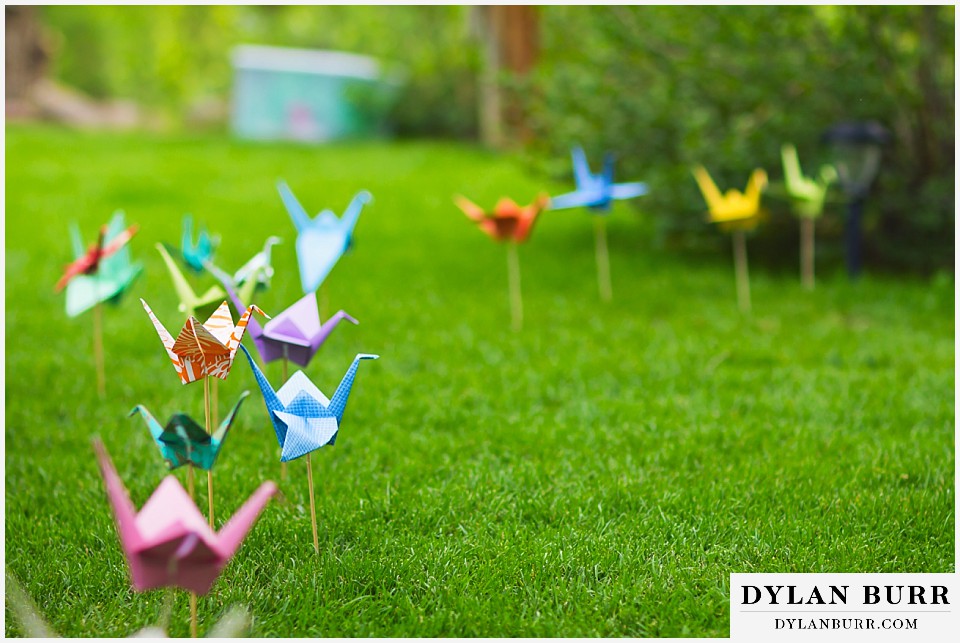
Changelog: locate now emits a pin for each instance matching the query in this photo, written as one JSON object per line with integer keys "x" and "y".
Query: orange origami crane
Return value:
{"x": 508, "y": 220}
{"x": 206, "y": 349}
{"x": 88, "y": 263}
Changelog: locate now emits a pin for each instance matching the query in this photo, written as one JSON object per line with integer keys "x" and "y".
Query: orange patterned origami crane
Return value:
{"x": 508, "y": 220}
{"x": 89, "y": 262}
{"x": 206, "y": 349}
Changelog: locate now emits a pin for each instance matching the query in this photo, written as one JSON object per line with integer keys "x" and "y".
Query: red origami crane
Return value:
{"x": 88, "y": 263}
{"x": 508, "y": 220}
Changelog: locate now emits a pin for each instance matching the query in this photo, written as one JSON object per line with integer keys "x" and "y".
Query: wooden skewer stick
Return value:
{"x": 283, "y": 465}
{"x": 167, "y": 610}
{"x": 806, "y": 252}
{"x": 313, "y": 506}
{"x": 324, "y": 301}
{"x": 98, "y": 349}
{"x": 740, "y": 266}
{"x": 206, "y": 408}
{"x": 516, "y": 297}
{"x": 603, "y": 258}
{"x": 193, "y": 614}
{"x": 190, "y": 480}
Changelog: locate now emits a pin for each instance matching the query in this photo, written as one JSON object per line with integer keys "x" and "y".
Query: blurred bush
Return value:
{"x": 664, "y": 87}
{"x": 175, "y": 59}
{"x": 669, "y": 87}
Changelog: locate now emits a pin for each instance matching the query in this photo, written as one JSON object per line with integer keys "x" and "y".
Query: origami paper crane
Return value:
{"x": 303, "y": 418}
{"x": 808, "y": 195}
{"x": 111, "y": 272}
{"x": 168, "y": 543}
{"x": 296, "y": 333}
{"x": 321, "y": 241}
{"x": 235, "y": 623}
{"x": 203, "y": 350}
{"x": 733, "y": 206}
{"x": 507, "y": 221}
{"x": 194, "y": 254}
{"x": 257, "y": 271}
{"x": 190, "y": 303}
{"x": 596, "y": 191}
{"x": 183, "y": 441}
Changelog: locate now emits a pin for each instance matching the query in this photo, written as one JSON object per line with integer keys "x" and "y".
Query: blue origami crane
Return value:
{"x": 321, "y": 241}
{"x": 303, "y": 418}
{"x": 595, "y": 191}
{"x": 183, "y": 441}
{"x": 194, "y": 254}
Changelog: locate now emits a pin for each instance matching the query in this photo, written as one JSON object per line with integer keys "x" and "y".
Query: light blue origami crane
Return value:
{"x": 595, "y": 191}
{"x": 321, "y": 241}
{"x": 183, "y": 441}
{"x": 194, "y": 254}
{"x": 303, "y": 418}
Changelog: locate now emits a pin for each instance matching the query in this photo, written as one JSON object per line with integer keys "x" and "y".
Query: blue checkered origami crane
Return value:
{"x": 183, "y": 441}
{"x": 303, "y": 418}
{"x": 321, "y": 241}
{"x": 595, "y": 191}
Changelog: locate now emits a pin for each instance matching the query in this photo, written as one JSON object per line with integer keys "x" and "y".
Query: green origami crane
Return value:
{"x": 808, "y": 195}
{"x": 190, "y": 304}
{"x": 183, "y": 441}
{"x": 114, "y": 275}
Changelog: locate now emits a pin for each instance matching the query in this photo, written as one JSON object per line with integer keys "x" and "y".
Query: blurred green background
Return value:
{"x": 663, "y": 87}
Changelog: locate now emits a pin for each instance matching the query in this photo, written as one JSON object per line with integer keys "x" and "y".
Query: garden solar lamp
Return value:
{"x": 856, "y": 148}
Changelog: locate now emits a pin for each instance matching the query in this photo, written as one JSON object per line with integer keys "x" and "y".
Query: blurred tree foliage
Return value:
{"x": 168, "y": 57}
{"x": 669, "y": 87}
{"x": 664, "y": 87}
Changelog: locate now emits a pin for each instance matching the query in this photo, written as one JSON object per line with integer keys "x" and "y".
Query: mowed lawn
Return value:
{"x": 600, "y": 473}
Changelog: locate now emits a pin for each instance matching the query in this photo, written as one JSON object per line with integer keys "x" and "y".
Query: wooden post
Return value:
{"x": 516, "y": 297}
{"x": 98, "y": 350}
{"x": 740, "y": 266}
{"x": 324, "y": 304}
{"x": 603, "y": 258}
{"x": 806, "y": 252}
{"x": 193, "y": 614}
{"x": 206, "y": 408}
{"x": 283, "y": 465}
{"x": 313, "y": 506}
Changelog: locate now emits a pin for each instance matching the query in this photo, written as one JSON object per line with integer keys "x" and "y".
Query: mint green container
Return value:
{"x": 307, "y": 95}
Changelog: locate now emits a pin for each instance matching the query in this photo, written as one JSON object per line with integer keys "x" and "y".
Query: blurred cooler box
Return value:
{"x": 307, "y": 95}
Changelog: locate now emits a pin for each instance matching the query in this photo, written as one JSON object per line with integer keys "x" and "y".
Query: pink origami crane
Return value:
{"x": 206, "y": 349}
{"x": 169, "y": 542}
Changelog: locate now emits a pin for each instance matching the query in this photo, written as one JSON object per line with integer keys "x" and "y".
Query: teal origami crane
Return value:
{"x": 194, "y": 254}
{"x": 303, "y": 418}
{"x": 114, "y": 273}
{"x": 183, "y": 441}
{"x": 321, "y": 241}
{"x": 190, "y": 304}
{"x": 807, "y": 195}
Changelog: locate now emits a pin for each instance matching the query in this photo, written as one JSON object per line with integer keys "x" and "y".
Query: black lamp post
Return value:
{"x": 856, "y": 150}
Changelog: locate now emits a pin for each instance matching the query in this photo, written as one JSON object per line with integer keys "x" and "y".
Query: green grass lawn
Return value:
{"x": 600, "y": 473}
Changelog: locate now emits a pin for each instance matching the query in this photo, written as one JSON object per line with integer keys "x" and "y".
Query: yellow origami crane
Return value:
{"x": 206, "y": 349}
{"x": 734, "y": 206}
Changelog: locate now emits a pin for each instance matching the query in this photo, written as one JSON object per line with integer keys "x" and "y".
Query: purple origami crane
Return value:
{"x": 296, "y": 333}
{"x": 169, "y": 542}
